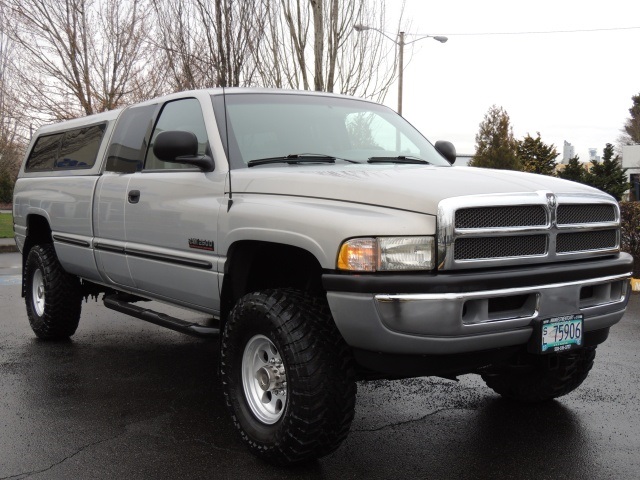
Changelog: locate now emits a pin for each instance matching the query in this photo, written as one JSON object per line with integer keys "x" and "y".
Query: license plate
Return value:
{"x": 559, "y": 334}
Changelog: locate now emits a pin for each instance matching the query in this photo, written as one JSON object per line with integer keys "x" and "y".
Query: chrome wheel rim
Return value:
{"x": 37, "y": 292}
{"x": 264, "y": 379}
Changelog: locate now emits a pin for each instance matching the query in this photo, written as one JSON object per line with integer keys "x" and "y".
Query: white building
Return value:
{"x": 631, "y": 161}
{"x": 568, "y": 152}
{"x": 463, "y": 159}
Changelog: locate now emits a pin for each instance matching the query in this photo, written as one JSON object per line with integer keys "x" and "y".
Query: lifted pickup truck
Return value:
{"x": 329, "y": 241}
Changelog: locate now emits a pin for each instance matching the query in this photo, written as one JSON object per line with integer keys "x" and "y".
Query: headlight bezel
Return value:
{"x": 384, "y": 254}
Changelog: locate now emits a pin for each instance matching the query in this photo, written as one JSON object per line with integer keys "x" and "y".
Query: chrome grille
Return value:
{"x": 500, "y": 247}
{"x": 585, "y": 213}
{"x": 586, "y": 241}
{"x": 495, "y": 230}
{"x": 501, "y": 217}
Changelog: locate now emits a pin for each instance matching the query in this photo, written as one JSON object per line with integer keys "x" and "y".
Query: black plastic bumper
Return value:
{"x": 462, "y": 281}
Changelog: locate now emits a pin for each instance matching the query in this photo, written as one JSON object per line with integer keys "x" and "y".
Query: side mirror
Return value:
{"x": 181, "y": 147}
{"x": 447, "y": 150}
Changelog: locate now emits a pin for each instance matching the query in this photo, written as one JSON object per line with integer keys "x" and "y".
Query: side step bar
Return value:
{"x": 115, "y": 302}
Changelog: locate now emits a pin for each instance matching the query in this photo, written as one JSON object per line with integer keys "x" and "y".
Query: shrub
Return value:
{"x": 630, "y": 216}
{"x": 6, "y": 187}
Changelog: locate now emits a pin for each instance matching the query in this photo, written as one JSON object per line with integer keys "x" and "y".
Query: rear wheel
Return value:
{"x": 53, "y": 297}
{"x": 537, "y": 378}
{"x": 287, "y": 375}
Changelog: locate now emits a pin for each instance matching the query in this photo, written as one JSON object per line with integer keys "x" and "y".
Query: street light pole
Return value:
{"x": 400, "y": 70}
{"x": 401, "y": 43}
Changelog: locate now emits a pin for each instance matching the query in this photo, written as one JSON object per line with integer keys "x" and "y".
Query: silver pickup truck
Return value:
{"x": 328, "y": 241}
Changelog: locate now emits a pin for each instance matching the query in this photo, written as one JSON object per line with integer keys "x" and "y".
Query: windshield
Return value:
{"x": 268, "y": 126}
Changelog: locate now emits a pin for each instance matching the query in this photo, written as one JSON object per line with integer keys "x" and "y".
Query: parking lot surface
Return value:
{"x": 126, "y": 399}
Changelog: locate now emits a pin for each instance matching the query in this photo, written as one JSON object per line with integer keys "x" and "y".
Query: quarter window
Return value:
{"x": 130, "y": 139}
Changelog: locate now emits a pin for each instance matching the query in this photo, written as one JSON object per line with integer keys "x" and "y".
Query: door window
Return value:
{"x": 184, "y": 115}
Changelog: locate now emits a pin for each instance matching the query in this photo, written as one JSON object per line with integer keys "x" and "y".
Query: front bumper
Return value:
{"x": 464, "y": 312}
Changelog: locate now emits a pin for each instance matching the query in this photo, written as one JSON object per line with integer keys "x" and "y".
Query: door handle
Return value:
{"x": 134, "y": 196}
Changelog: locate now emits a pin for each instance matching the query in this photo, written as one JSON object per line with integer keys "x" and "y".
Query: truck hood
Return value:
{"x": 417, "y": 188}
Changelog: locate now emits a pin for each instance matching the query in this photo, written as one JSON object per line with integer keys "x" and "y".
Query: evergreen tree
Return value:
{"x": 495, "y": 144}
{"x": 608, "y": 175}
{"x": 631, "y": 130}
{"x": 574, "y": 170}
{"x": 537, "y": 157}
{"x": 359, "y": 128}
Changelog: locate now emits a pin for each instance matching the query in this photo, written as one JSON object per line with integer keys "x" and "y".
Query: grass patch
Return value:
{"x": 6, "y": 225}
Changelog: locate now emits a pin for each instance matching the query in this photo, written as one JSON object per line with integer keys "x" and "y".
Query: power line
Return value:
{"x": 486, "y": 34}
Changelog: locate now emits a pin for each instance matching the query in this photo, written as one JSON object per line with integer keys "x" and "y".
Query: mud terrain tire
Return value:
{"x": 541, "y": 378}
{"x": 287, "y": 338}
{"x": 53, "y": 297}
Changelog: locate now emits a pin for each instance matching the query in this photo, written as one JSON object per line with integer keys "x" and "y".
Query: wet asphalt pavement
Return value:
{"x": 127, "y": 399}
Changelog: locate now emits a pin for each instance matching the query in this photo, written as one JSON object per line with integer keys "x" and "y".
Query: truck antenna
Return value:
{"x": 226, "y": 132}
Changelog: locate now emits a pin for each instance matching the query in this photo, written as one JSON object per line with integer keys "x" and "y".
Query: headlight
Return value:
{"x": 387, "y": 254}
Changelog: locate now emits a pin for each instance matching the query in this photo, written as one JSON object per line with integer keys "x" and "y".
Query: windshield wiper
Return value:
{"x": 294, "y": 159}
{"x": 399, "y": 159}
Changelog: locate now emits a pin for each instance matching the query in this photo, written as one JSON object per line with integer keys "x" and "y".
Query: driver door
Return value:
{"x": 171, "y": 218}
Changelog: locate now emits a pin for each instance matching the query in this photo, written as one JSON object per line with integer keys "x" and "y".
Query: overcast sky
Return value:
{"x": 567, "y": 86}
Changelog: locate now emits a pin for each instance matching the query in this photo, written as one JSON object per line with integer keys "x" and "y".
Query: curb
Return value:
{"x": 8, "y": 248}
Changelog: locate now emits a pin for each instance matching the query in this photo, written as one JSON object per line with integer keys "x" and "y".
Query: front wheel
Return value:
{"x": 287, "y": 375}
{"x": 53, "y": 297}
{"x": 537, "y": 378}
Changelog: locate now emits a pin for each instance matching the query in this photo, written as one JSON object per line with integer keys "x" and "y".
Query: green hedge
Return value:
{"x": 630, "y": 213}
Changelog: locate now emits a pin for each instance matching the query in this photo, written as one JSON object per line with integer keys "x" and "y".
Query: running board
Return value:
{"x": 194, "y": 329}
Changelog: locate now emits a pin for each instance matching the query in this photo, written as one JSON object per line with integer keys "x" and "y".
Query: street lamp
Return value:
{"x": 401, "y": 43}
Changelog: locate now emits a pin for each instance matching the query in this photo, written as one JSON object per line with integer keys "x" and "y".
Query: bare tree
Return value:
{"x": 238, "y": 31}
{"x": 11, "y": 121}
{"x": 123, "y": 58}
{"x": 179, "y": 40}
{"x": 311, "y": 44}
{"x": 12, "y": 143}
{"x": 80, "y": 56}
{"x": 207, "y": 43}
